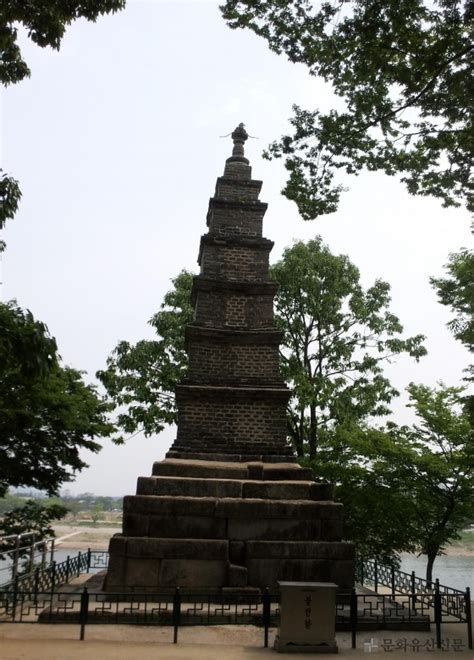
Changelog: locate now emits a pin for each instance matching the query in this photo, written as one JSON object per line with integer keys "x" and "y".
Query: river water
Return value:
{"x": 455, "y": 571}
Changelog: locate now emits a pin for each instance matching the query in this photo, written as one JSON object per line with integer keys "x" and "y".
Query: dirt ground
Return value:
{"x": 118, "y": 642}
{"x": 82, "y": 538}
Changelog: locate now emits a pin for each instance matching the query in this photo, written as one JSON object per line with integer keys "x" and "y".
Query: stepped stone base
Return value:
{"x": 213, "y": 525}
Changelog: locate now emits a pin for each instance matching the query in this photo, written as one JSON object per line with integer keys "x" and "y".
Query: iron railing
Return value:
{"x": 36, "y": 597}
{"x": 55, "y": 574}
{"x": 362, "y": 612}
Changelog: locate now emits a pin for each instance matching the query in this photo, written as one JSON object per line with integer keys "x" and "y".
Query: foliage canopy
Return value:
{"x": 401, "y": 72}
{"x": 405, "y": 488}
{"x": 457, "y": 292}
{"x": 336, "y": 337}
{"x": 48, "y": 413}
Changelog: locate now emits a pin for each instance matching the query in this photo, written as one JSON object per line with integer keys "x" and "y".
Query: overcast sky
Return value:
{"x": 115, "y": 142}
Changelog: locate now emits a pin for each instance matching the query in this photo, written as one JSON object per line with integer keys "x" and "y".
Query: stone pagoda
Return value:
{"x": 229, "y": 507}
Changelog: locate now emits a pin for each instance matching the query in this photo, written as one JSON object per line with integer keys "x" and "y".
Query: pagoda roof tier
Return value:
{"x": 201, "y": 283}
{"x": 242, "y": 392}
{"x": 234, "y": 204}
{"x": 266, "y": 337}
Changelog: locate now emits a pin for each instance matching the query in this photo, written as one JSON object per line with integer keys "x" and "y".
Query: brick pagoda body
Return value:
{"x": 229, "y": 507}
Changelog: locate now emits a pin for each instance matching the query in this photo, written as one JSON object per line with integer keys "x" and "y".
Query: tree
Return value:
{"x": 45, "y": 22}
{"x": 96, "y": 512}
{"x": 48, "y": 413}
{"x": 25, "y": 342}
{"x": 357, "y": 459}
{"x": 408, "y": 488}
{"x": 32, "y": 518}
{"x": 457, "y": 292}
{"x": 436, "y": 466}
{"x": 142, "y": 377}
{"x": 401, "y": 72}
{"x": 336, "y": 337}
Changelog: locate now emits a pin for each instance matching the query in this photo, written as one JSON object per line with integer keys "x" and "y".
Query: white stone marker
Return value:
{"x": 307, "y": 618}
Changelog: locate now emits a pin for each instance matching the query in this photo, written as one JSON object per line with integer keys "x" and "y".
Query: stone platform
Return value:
{"x": 211, "y": 525}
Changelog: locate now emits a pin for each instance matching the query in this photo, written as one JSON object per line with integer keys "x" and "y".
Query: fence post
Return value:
{"x": 376, "y": 577}
{"x": 266, "y": 615}
{"x": 53, "y": 576}
{"x": 79, "y": 562}
{"x": 392, "y": 580}
{"x": 413, "y": 590}
{"x": 15, "y": 597}
{"x": 467, "y": 597}
{"x": 16, "y": 556}
{"x": 437, "y": 614}
{"x": 353, "y": 617}
{"x": 176, "y": 614}
{"x": 68, "y": 568}
{"x": 36, "y": 585}
{"x": 89, "y": 557}
{"x": 31, "y": 562}
{"x": 84, "y": 612}
{"x": 51, "y": 556}
{"x": 44, "y": 551}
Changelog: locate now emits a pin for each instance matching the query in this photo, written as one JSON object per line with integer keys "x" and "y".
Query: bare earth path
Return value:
{"x": 45, "y": 642}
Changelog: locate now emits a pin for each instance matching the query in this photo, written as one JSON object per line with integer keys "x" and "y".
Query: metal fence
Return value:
{"x": 36, "y": 598}
{"x": 55, "y": 574}
{"x": 361, "y": 613}
{"x": 452, "y": 601}
{"x": 18, "y": 549}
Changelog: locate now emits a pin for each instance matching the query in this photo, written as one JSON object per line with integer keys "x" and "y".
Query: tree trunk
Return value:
{"x": 295, "y": 428}
{"x": 432, "y": 554}
{"x": 313, "y": 431}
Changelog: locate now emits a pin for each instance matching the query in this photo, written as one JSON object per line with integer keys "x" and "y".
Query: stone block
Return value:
{"x": 118, "y": 546}
{"x": 273, "y": 529}
{"x": 135, "y": 524}
{"x": 193, "y": 573}
{"x": 260, "y": 508}
{"x": 178, "y": 548}
{"x": 268, "y": 572}
{"x": 189, "y": 527}
{"x": 299, "y": 550}
{"x": 142, "y": 572}
{"x": 255, "y": 471}
{"x": 115, "y": 573}
{"x": 283, "y": 490}
{"x": 170, "y": 506}
{"x": 188, "y": 487}
{"x": 331, "y": 529}
{"x": 287, "y": 472}
{"x": 200, "y": 469}
{"x": 342, "y": 572}
{"x": 237, "y": 576}
{"x": 237, "y": 552}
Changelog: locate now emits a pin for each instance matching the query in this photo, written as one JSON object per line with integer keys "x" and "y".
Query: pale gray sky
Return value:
{"x": 115, "y": 142}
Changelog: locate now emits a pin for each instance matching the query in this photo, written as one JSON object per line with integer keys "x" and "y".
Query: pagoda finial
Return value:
{"x": 239, "y": 137}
